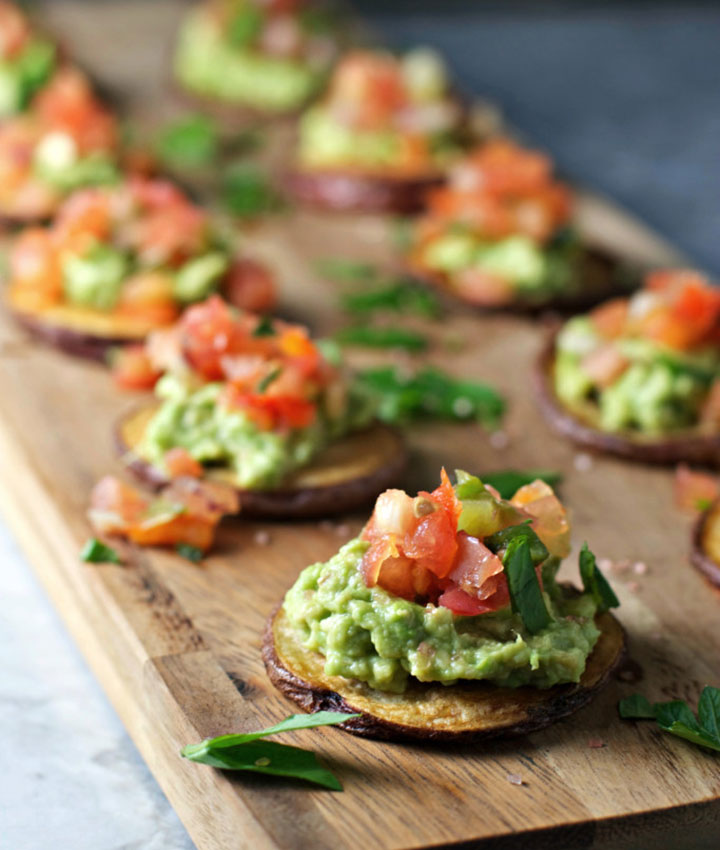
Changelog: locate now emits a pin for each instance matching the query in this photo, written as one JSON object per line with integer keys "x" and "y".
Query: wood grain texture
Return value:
{"x": 177, "y": 646}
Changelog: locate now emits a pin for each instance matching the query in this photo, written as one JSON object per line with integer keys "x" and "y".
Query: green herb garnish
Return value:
{"x": 525, "y": 594}
{"x": 269, "y": 379}
{"x": 190, "y": 142}
{"x": 383, "y": 338}
{"x": 430, "y": 394}
{"x": 509, "y": 481}
{"x": 595, "y": 583}
{"x": 192, "y": 553}
{"x": 96, "y": 552}
{"x": 246, "y": 192}
{"x": 346, "y": 271}
{"x": 397, "y": 296}
{"x": 248, "y": 752}
{"x": 245, "y": 26}
{"x": 677, "y": 718}
{"x": 264, "y": 327}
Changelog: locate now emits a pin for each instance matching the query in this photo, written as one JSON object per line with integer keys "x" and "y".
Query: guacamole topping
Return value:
{"x": 383, "y": 114}
{"x": 246, "y": 54}
{"x": 647, "y": 364}
{"x": 500, "y": 228}
{"x": 377, "y": 627}
{"x": 247, "y": 394}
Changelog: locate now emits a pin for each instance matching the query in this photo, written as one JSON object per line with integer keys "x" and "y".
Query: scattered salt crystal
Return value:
{"x": 515, "y": 779}
{"x": 583, "y": 462}
{"x": 605, "y": 564}
{"x": 620, "y": 566}
{"x": 499, "y": 440}
{"x": 262, "y": 538}
{"x": 596, "y": 743}
{"x": 633, "y": 586}
{"x": 342, "y": 530}
{"x": 640, "y": 568}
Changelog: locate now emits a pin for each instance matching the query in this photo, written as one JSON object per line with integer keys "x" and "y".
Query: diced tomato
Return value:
{"x": 14, "y": 30}
{"x": 502, "y": 167}
{"x": 445, "y": 496}
{"x": 465, "y": 605}
{"x": 206, "y": 499}
{"x": 132, "y": 369}
{"x": 168, "y": 529}
{"x": 393, "y": 515}
{"x": 433, "y": 543}
{"x": 610, "y": 319}
{"x": 84, "y": 214}
{"x": 371, "y": 85}
{"x": 694, "y": 491}
{"x": 475, "y": 566}
{"x": 483, "y": 288}
{"x": 149, "y": 295}
{"x": 271, "y": 412}
{"x": 34, "y": 266}
{"x": 114, "y": 505}
{"x": 209, "y": 333}
{"x": 604, "y": 365}
{"x": 550, "y": 517}
{"x": 180, "y": 463}
{"x": 249, "y": 285}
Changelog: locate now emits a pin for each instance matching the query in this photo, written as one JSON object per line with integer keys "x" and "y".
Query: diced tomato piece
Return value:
{"x": 444, "y": 495}
{"x": 694, "y": 491}
{"x": 610, "y": 319}
{"x": 149, "y": 295}
{"x": 474, "y": 567}
{"x": 179, "y": 462}
{"x": 463, "y": 604}
{"x": 132, "y": 369}
{"x": 483, "y": 288}
{"x": 249, "y": 285}
{"x": 14, "y": 30}
{"x": 393, "y": 515}
{"x": 370, "y": 83}
{"x": 207, "y": 499}
{"x": 433, "y": 543}
{"x": 502, "y": 167}
{"x": 209, "y": 333}
{"x": 605, "y": 364}
{"x": 85, "y": 213}
{"x": 34, "y": 266}
{"x": 114, "y": 505}
{"x": 550, "y": 517}
{"x": 271, "y": 412}
{"x": 172, "y": 529}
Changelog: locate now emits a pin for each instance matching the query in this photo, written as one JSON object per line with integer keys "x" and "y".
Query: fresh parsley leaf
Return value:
{"x": 525, "y": 594}
{"x": 500, "y": 542}
{"x": 636, "y": 707}
{"x": 189, "y": 142}
{"x": 677, "y": 718}
{"x": 248, "y": 753}
{"x": 270, "y": 378}
{"x": 245, "y": 25}
{"x": 264, "y": 327}
{"x": 382, "y": 338}
{"x": 430, "y": 394}
{"x": 246, "y": 192}
{"x": 595, "y": 583}
{"x": 397, "y": 296}
{"x": 509, "y": 481}
{"x": 192, "y": 553}
{"x": 97, "y": 552}
{"x": 345, "y": 271}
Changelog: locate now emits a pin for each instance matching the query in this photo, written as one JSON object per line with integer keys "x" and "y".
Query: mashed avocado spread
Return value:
{"x": 195, "y": 419}
{"x": 369, "y": 634}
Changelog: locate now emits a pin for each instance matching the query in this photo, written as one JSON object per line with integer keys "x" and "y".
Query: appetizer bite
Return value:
{"x": 66, "y": 139}
{"x": 27, "y": 60}
{"x": 265, "y": 56}
{"x": 705, "y": 553}
{"x": 639, "y": 377}
{"x": 443, "y": 619}
{"x": 381, "y": 136}
{"x": 121, "y": 261}
{"x": 500, "y": 233}
{"x": 253, "y": 402}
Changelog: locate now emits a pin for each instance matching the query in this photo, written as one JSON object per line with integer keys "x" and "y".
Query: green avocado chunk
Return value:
{"x": 95, "y": 279}
{"x": 368, "y": 634}
{"x": 199, "y": 276}
{"x": 21, "y": 78}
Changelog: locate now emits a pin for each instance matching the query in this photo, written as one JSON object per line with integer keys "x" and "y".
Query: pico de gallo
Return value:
{"x": 241, "y": 392}
{"x": 27, "y": 60}
{"x": 648, "y": 364}
{"x": 64, "y": 140}
{"x": 500, "y": 229}
{"x": 186, "y": 512}
{"x": 268, "y": 55}
{"x": 383, "y": 115}
{"x": 452, "y": 584}
{"x": 134, "y": 254}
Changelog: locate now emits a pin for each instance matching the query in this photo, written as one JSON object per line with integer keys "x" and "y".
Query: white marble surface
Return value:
{"x": 70, "y": 777}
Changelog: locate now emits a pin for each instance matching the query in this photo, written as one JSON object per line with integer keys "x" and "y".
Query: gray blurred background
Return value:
{"x": 625, "y": 95}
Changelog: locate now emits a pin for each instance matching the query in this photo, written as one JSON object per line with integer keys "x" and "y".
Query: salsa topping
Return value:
{"x": 498, "y": 225}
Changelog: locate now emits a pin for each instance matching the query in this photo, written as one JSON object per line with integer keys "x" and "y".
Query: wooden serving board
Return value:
{"x": 177, "y": 646}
